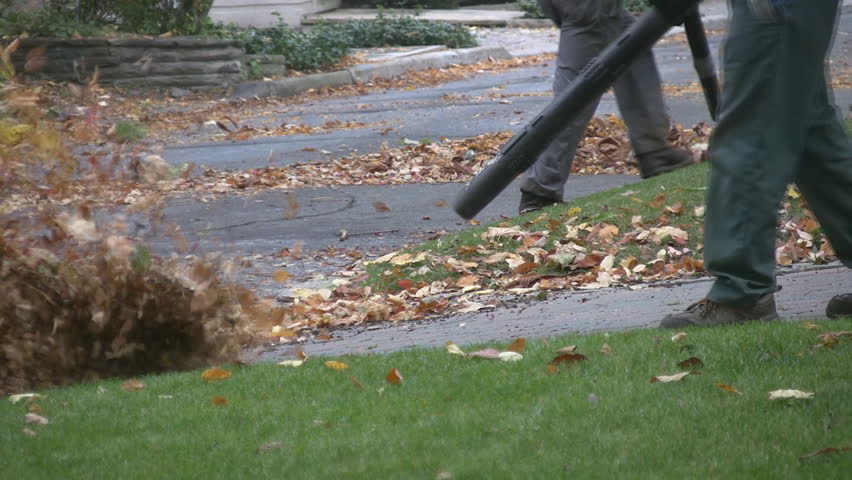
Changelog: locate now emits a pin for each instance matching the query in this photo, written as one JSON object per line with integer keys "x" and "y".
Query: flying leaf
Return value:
{"x": 606, "y": 349}
{"x": 381, "y": 207}
{"x": 394, "y": 377}
{"x": 335, "y": 365}
{"x": 132, "y": 385}
{"x": 510, "y": 356}
{"x": 678, "y": 336}
{"x": 670, "y": 378}
{"x": 282, "y": 276}
{"x": 215, "y": 374}
{"x": 292, "y": 363}
{"x": 487, "y": 353}
{"x": 790, "y": 394}
{"x": 454, "y": 349}
{"x": 219, "y": 401}
{"x": 691, "y": 362}
{"x": 518, "y": 345}
{"x": 727, "y": 388}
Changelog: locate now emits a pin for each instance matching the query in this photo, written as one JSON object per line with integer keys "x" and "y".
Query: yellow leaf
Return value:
{"x": 292, "y": 363}
{"x": 792, "y": 192}
{"x": 573, "y": 211}
{"x": 727, "y": 388}
{"x": 335, "y": 365}
{"x": 454, "y": 349}
{"x": 810, "y": 325}
{"x": 132, "y": 385}
{"x": 215, "y": 374}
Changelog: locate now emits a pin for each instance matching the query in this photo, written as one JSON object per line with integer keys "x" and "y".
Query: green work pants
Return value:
{"x": 777, "y": 126}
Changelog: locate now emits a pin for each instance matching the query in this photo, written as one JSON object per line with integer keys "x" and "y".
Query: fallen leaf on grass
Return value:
{"x": 606, "y": 349}
{"x": 29, "y": 432}
{"x": 36, "y": 419}
{"x": 518, "y": 345}
{"x": 394, "y": 377}
{"x": 510, "y": 356}
{"x": 487, "y": 353}
{"x": 335, "y": 365}
{"x": 671, "y": 378}
{"x": 215, "y": 374}
{"x": 727, "y": 388}
{"x": 454, "y": 349}
{"x": 790, "y": 394}
{"x": 568, "y": 349}
{"x": 270, "y": 446}
{"x": 810, "y": 325}
{"x": 569, "y": 358}
{"x": 826, "y": 450}
{"x": 132, "y": 385}
{"x": 219, "y": 401}
{"x": 691, "y": 362}
{"x": 22, "y": 396}
{"x": 356, "y": 383}
{"x": 678, "y": 336}
{"x": 292, "y": 363}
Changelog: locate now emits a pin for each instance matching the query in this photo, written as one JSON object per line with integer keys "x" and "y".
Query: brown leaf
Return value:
{"x": 132, "y": 385}
{"x": 826, "y": 450}
{"x": 691, "y": 362}
{"x": 526, "y": 267}
{"x": 381, "y": 207}
{"x": 405, "y": 284}
{"x": 356, "y": 383}
{"x": 658, "y": 201}
{"x": 518, "y": 345}
{"x": 568, "y": 358}
{"x": 219, "y": 401}
{"x": 36, "y": 59}
{"x": 215, "y": 374}
{"x": 727, "y": 388}
{"x": 440, "y": 203}
{"x": 282, "y": 276}
{"x": 394, "y": 377}
{"x": 223, "y": 126}
{"x": 292, "y": 210}
{"x": 676, "y": 209}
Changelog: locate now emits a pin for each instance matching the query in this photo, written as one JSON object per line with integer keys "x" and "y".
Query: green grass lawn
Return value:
{"x": 456, "y": 417}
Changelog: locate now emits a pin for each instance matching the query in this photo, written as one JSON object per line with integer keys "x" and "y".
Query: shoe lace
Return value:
{"x": 703, "y": 307}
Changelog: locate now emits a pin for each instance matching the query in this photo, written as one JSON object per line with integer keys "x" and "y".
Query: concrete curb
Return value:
{"x": 369, "y": 71}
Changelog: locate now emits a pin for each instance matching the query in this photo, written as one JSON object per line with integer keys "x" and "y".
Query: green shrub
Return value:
{"x": 326, "y": 44}
{"x": 531, "y": 9}
{"x": 61, "y": 18}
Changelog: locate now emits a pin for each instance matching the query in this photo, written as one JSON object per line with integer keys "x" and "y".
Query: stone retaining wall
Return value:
{"x": 140, "y": 62}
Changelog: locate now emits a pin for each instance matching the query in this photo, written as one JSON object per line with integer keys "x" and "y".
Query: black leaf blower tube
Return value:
{"x": 523, "y": 149}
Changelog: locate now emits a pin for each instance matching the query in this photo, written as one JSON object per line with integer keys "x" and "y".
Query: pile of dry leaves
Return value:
{"x": 80, "y": 298}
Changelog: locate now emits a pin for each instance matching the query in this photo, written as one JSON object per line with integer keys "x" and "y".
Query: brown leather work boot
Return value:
{"x": 707, "y": 313}
{"x": 839, "y": 306}
{"x": 663, "y": 161}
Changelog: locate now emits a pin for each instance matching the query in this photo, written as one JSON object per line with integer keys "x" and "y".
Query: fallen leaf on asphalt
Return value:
{"x": 510, "y": 356}
{"x": 132, "y": 385}
{"x": 394, "y": 377}
{"x": 670, "y": 378}
{"x": 356, "y": 383}
{"x": 606, "y": 349}
{"x": 727, "y": 388}
{"x": 826, "y": 450}
{"x": 691, "y": 362}
{"x": 678, "y": 336}
{"x": 23, "y": 396}
{"x": 215, "y": 374}
{"x": 219, "y": 401}
{"x": 36, "y": 419}
{"x": 381, "y": 207}
{"x": 282, "y": 276}
{"x": 489, "y": 353}
{"x": 440, "y": 204}
{"x": 518, "y": 345}
{"x": 568, "y": 349}
{"x": 335, "y": 365}
{"x": 292, "y": 363}
{"x": 790, "y": 394}
{"x": 292, "y": 210}
{"x": 454, "y": 349}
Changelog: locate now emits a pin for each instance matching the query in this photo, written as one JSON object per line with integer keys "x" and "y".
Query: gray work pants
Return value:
{"x": 586, "y": 28}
